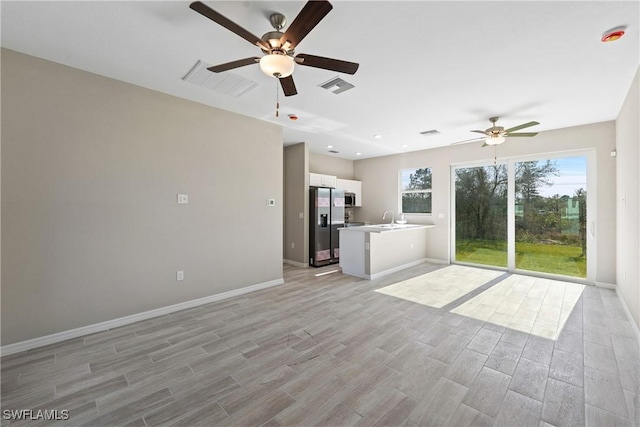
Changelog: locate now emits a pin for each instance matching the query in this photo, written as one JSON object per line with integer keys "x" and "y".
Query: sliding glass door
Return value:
{"x": 551, "y": 216}
{"x": 527, "y": 214}
{"x": 481, "y": 215}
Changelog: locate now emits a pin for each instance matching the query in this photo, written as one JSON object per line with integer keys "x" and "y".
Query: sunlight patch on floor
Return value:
{"x": 533, "y": 305}
{"x": 441, "y": 287}
{"x": 326, "y": 272}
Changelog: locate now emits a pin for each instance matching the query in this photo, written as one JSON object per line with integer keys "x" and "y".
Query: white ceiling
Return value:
{"x": 447, "y": 65}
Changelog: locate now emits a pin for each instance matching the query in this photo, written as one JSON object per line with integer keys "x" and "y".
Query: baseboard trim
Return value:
{"x": 605, "y": 285}
{"x": 122, "y": 321}
{"x": 395, "y": 269}
{"x": 295, "y": 263}
{"x": 636, "y": 330}
{"x": 437, "y": 261}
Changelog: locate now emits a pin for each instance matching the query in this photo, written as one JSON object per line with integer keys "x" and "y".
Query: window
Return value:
{"x": 415, "y": 191}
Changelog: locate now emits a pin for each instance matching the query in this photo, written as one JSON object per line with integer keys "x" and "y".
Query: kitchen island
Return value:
{"x": 373, "y": 251}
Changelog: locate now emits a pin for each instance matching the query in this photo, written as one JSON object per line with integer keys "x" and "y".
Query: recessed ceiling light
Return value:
{"x": 358, "y": 154}
{"x": 377, "y": 136}
{"x": 404, "y": 145}
{"x": 329, "y": 146}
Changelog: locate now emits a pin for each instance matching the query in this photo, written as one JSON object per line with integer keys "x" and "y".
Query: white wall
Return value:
{"x": 380, "y": 183}
{"x": 628, "y": 194}
{"x": 91, "y": 230}
{"x": 330, "y": 165}
{"x": 296, "y": 201}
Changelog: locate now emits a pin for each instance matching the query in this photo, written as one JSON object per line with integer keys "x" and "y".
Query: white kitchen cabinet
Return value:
{"x": 321, "y": 180}
{"x": 351, "y": 186}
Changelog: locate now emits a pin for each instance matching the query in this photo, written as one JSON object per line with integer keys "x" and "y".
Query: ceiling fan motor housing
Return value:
{"x": 273, "y": 39}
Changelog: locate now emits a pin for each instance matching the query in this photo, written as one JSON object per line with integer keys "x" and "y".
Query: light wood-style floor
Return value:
{"x": 329, "y": 350}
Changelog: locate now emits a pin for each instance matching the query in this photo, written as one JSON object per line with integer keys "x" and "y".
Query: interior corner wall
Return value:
{"x": 296, "y": 182}
{"x": 627, "y": 200}
{"x": 91, "y": 228}
{"x": 329, "y": 165}
{"x": 381, "y": 177}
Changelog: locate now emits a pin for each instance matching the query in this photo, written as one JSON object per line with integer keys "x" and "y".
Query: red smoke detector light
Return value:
{"x": 613, "y": 35}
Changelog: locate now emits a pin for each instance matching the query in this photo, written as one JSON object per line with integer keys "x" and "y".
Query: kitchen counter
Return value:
{"x": 384, "y": 228}
{"x": 373, "y": 251}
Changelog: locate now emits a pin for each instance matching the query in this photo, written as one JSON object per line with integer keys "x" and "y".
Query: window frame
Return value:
{"x": 402, "y": 191}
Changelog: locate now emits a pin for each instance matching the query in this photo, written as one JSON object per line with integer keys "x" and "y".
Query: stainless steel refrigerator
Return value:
{"x": 326, "y": 215}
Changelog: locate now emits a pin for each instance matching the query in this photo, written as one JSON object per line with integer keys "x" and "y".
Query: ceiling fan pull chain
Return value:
{"x": 277, "y": 99}
{"x": 495, "y": 155}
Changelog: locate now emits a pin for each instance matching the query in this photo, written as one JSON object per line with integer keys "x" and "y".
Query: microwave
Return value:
{"x": 349, "y": 200}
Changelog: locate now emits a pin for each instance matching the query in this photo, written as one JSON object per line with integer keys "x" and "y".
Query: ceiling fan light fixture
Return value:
{"x": 277, "y": 65}
{"x": 495, "y": 140}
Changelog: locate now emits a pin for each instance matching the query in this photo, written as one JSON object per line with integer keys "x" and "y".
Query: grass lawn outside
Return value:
{"x": 547, "y": 258}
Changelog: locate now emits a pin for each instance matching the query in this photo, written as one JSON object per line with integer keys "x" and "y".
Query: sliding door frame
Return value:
{"x": 510, "y": 162}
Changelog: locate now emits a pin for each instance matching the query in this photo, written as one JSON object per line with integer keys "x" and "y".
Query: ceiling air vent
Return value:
{"x": 334, "y": 151}
{"x": 431, "y": 132}
{"x": 337, "y": 85}
{"x": 227, "y": 83}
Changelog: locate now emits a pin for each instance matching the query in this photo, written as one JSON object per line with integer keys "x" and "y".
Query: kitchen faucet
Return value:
{"x": 392, "y": 216}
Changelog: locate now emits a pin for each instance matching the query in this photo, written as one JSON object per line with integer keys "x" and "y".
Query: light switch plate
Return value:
{"x": 183, "y": 199}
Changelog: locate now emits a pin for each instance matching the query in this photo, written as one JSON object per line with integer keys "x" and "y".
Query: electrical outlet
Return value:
{"x": 179, "y": 275}
{"x": 293, "y": 245}
{"x": 271, "y": 202}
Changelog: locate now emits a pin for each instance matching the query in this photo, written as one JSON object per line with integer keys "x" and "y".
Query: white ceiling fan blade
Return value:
{"x": 468, "y": 140}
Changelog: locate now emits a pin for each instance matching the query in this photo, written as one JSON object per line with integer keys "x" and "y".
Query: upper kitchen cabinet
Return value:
{"x": 351, "y": 186}
{"x": 320, "y": 180}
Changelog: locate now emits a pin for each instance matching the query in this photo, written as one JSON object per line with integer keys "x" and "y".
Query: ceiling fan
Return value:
{"x": 496, "y": 135}
{"x": 278, "y": 60}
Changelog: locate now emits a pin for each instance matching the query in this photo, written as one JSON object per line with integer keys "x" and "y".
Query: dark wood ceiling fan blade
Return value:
{"x": 311, "y": 14}
{"x": 234, "y": 64}
{"x": 216, "y": 17}
{"x": 509, "y": 135}
{"x": 522, "y": 126}
{"x": 288, "y": 86}
{"x": 327, "y": 63}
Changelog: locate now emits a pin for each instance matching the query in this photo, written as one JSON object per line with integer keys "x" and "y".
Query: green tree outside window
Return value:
{"x": 416, "y": 190}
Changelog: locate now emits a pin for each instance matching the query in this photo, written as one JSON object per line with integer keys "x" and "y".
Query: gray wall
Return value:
{"x": 296, "y": 184}
{"x": 329, "y": 165}
{"x": 628, "y": 194}
{"x": 380, "y": 183}
{"x": 90, "y": 226}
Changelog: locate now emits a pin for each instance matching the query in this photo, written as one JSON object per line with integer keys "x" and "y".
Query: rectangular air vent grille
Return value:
{"x": 334, "y": 151}
{"x": 431, "y": 132}
{"x": 227, "y": 83}
{"x": 337, "y": 85}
